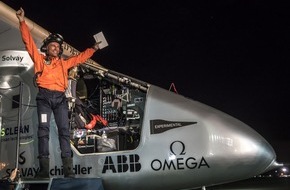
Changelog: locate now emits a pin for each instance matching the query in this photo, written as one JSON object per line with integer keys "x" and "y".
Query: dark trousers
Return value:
{"x": 55, "y": 102}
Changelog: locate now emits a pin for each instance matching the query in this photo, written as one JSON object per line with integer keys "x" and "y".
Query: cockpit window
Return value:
{"x": 105, "y": 115}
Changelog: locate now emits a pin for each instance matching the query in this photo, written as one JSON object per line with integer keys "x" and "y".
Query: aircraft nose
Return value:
{"x": 258, "y": 153}
{"x": 241, "y": 147}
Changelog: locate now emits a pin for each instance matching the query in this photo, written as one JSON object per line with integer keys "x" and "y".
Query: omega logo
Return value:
{"x": 178, "y": 161}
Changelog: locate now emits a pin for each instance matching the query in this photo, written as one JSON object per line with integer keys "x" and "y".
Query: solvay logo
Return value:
{"x": 17, "y": 58}
{"x": 178, "y": 159}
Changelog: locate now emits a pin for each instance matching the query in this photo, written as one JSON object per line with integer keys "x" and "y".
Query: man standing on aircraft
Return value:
{"x": 52, "y": 79}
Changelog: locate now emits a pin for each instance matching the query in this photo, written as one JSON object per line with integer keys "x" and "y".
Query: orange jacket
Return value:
{"x": 55, "y": 75}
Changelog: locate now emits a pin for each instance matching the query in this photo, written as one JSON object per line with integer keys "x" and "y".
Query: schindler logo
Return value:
{"x": 160, "y": 126}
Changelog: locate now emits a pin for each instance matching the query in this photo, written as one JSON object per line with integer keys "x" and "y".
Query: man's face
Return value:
{"x": 53, "y": 49}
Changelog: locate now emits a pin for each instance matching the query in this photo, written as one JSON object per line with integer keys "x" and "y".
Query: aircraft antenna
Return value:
{"x": 172, "y": 86}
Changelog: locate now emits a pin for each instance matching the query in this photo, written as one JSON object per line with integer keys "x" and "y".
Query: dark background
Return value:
{"x": 229, "y": 54}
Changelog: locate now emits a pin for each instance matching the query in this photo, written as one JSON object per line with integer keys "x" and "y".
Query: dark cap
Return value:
{"x": 54, "y": 37}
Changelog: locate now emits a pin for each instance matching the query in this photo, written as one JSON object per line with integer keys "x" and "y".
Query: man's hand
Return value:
{"x": 20, "y": 14}
{"x": 96, "y": 46}
{"x": 13, "y": 175}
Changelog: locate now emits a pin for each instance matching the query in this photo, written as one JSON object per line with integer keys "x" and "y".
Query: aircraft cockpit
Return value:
{"x": 105, "y": 114}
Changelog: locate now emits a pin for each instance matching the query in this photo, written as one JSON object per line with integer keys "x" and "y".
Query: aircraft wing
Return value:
{"x": 10, "y": 38}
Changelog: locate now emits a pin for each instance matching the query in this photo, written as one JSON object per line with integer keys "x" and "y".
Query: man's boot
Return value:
{"x": 68, "y": 167}
{"x": 44, "y": 168}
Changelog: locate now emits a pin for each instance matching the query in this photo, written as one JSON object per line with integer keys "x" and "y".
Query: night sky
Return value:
{"x": 231, "y": 55}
